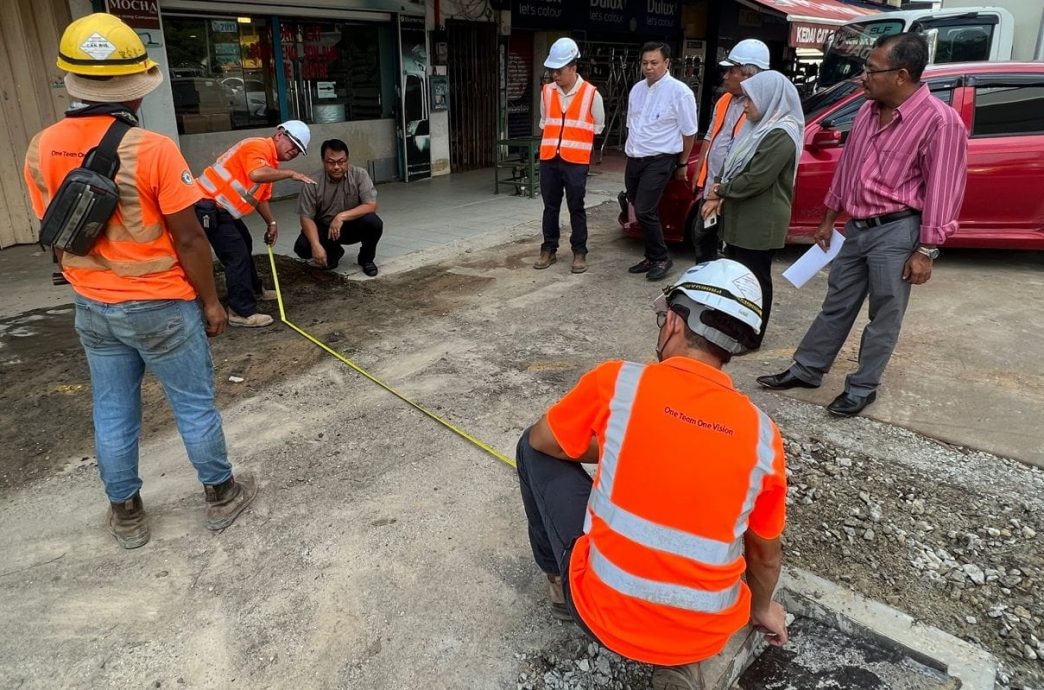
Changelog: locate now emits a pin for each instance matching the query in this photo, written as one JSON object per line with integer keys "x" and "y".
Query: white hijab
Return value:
{"x": 780, "y": 106}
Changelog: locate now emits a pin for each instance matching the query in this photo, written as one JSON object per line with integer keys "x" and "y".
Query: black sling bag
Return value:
{"x": 87, "y": 197}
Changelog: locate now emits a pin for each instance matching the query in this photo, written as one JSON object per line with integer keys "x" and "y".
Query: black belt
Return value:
{"x": 654, "y": 156}
{"x": 864, "y": 223}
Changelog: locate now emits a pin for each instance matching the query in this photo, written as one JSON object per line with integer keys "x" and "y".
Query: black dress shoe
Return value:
{"x": 369, "y": 268}
{"x": 847, "y": 405}
{"x": 641, "y": 267}
{"x": 659, "y": 269}
{"x": 779, "y": 382}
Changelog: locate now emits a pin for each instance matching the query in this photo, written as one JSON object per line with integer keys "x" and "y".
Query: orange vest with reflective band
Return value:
{"x": 228, "y": 181}
{"x": 686, "y": 465}
{"x": 568, "y": 134}
{"x": 134, "y": 258}
{"x": 720, "y": 109}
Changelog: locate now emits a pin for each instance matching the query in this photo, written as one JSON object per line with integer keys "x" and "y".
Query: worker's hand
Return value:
{"x": 216, "y": 318}
{"x": 710, "y": 208}
{"x": 301, "y": 177}
{"x": 271, "y": 234}
{"x": 918, "y": 269}
{"x": 682, "y": 174}
{"x": 319, "y": 256}
{"x": 772, "y": 623}
{"x": 823, "y": 234}
{"x": 335, "y": 227}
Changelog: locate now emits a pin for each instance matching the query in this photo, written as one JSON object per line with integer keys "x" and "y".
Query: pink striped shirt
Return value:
{"x": 917, "y": 161}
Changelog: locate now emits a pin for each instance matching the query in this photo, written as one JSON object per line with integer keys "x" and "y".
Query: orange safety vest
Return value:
{"x": 568, "y": 134}
{"x": 720, "y": 108}
{"x": 134, "y": 258}
{"x": 686, "y": 465}
{"x": 228, "y": 181}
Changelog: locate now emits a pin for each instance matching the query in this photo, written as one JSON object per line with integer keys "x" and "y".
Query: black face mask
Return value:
{"x": 118, "y": 110}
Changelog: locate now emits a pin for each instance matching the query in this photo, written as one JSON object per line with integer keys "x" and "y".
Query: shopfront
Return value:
{"x": 238, "y": 69}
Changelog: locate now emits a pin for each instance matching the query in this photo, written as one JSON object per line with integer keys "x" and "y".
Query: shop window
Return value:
{"x": 221, "y": 73}
{"x": 332, "y": 71}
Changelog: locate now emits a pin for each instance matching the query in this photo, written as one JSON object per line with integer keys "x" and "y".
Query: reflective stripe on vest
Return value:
{"x": 652, "y": 535}
{"x": 226, "y": 190}
{"x": 720, "y": 110}
{"x": 568, "y": 134}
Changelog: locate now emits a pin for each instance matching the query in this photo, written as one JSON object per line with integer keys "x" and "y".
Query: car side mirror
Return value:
{"x": 826, "y": 139}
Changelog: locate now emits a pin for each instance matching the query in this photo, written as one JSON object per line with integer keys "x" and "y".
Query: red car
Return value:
{"x": 1002, "y": 105}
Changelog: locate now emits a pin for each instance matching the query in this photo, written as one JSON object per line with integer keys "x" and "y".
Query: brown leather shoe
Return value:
{"x": 688, "y": 677}
{"x": 546, "y": 259}
{"x": 557, "y": 596}
{"x": 579, "y": 262}
{"x": 226, "y": 501}
{"x": 129, "y": 523}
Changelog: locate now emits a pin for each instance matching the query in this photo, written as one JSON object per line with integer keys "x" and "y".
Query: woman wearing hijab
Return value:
{"x": 755, "y": 188}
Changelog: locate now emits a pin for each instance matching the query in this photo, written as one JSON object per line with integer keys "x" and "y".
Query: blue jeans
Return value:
{"x": 168, "y": 337}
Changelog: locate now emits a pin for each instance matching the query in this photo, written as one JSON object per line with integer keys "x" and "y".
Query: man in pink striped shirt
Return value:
{"x": 901, "y": 179}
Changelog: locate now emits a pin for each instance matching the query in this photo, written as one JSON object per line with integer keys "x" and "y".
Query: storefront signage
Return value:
{"x": 539, "y": 14}
{"x": 219, "y": 26}
{"x": 810, "y": 35}
{"x": 137, "y": 14}
{"x": 625, "y": 16}
{"x": 662, "y": 15}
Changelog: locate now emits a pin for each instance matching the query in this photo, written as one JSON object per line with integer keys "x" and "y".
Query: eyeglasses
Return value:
{"x": 867, "y": 71}
{"x": 661, "y": 318}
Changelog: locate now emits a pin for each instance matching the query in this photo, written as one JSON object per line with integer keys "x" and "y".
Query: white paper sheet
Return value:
{"x": 813, "y": 260}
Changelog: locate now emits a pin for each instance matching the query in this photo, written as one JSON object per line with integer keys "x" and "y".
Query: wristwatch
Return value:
{"x": 931, "y": 252}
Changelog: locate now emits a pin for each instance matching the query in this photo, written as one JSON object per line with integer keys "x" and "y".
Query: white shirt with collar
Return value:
{"x": 565, "y": 99}
{"x": 658, "y": 116}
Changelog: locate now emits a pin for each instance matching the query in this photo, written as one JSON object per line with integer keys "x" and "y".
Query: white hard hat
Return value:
{"x": 723, "y": 285}
{"x": 749, "y": 51}
{"x": 563, "y": 51}
{"x": 298, "y": 133}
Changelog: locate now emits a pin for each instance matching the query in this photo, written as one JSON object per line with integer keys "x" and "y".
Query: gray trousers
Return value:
{"x": 870, "y": 263}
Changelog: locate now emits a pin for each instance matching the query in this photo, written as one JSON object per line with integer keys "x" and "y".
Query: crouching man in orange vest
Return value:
{"x": 571, "y": 114}
{"x": 236, "y": 185}
{"x": 688, "y": 496}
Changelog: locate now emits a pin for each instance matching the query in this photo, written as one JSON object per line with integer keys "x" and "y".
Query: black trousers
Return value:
{"x": 234, "y": 248}
{"x": 706, "y": 241}
{"x": 645, "y": 179}
{"x": 759, "y": 261}
{"x": 366, "y": 230}
{"x": 556, "y": 176}
{"x": 555, "y": 494}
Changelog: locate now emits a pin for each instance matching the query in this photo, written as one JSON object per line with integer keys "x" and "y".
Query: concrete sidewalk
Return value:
{"x": 444, "y": 215}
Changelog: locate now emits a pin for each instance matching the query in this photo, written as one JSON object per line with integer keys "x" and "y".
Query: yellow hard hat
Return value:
{"x": 100, "y": 45}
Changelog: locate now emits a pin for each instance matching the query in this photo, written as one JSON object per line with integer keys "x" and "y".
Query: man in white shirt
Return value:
{"x": 571, "y": 114}
{"x": 661, "y": 129}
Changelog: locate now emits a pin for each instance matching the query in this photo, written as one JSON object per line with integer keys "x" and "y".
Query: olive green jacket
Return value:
{"x": 755, "y": 213}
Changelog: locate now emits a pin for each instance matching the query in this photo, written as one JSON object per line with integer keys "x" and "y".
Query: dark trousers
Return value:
{"x": 555, "y": 494}
{"x": 645, "y": 179}
{"x": 759, "y": 261}
{"x": 366, "y": 230}
{"x": 706, "y": 241}
{"x": 234, "y": 248}
{"x": 558, "y": 176}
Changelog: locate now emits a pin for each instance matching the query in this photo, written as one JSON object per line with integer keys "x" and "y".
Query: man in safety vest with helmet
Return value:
{"x": 571, "y": 114}
{"x": 139, "y": 287}
{"x": 747, "y": 58}
{"x": 236, "y": 185}
{"x": 688, "y": 497}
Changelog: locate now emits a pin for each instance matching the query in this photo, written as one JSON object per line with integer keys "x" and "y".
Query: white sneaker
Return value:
{"x": 257, "y": 320}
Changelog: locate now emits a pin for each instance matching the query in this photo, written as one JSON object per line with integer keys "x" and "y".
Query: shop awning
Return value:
{"x": 811, "y": 21}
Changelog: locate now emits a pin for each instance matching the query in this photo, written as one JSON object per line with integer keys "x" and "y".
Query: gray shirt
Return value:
{"x": 719, "y": 148}
{"x": 325, "y": 199}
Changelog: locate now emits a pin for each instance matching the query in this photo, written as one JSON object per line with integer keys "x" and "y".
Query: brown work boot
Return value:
{"x": 579, "y": 262}
{"x": 546, "y": 259}
{"x": 558, "y": 605}
{"x": 687, "y": 677}
{"x": 129, "y": 523}
{"x": 226, "y": 501}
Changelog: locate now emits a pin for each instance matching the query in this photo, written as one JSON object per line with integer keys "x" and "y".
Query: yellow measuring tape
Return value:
{"x": 449, "y": 425}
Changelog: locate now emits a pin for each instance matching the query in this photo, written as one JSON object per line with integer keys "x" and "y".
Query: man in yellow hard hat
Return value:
{"x": 145, "y": 295}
